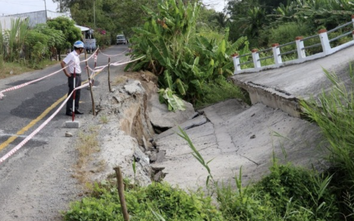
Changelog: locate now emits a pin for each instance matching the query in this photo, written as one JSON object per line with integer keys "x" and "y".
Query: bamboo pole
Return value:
{"x": 120, "y": 187}
{"x": 90, "y": 84}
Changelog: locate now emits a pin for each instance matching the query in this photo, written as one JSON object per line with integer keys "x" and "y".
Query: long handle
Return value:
{"x": 74, "y": 86}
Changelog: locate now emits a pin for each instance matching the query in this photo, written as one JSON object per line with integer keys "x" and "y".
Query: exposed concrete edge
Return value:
{"x": 271, "y": 97}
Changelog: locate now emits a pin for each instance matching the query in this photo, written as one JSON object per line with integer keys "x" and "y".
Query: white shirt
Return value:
{"x": 72, "y": 60}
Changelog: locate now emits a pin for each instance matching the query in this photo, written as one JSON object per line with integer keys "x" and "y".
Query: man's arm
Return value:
{"x": 63, "y": 65}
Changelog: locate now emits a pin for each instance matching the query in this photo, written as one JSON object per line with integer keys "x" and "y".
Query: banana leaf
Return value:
{"x": 174, "y": 102}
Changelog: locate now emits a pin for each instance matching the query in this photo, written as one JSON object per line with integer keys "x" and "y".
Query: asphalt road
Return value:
{"x": 36, "y": 181}
{"x": 22, "y": 110}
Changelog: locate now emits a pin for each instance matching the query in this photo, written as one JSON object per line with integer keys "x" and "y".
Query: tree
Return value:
{"x": 216, "y": 21}
{"x": 42, "y": 41}
{"x": 247, "y": 18}
{"x": 67, "y": 27}
{"x": 114, "y": 16}
{"x": 132, "y": 15}
{"x": 271, "y": 5}
{"x": 97, "y": 14}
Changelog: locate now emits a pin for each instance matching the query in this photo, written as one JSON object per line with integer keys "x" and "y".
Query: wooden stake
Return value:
{"x": 109, "y": 75}
{"x": 90, "y": 84}
{"x": 120, "y": 187}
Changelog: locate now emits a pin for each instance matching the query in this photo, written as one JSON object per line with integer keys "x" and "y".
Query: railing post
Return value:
{"x": 276, "y": 54}
{"x": 353, "y": 25}
{"x": 236, "y": 60}
{"x": 326, "y": 47}
{"x": 255, "y": 57}
{"x": 299, "y": 47}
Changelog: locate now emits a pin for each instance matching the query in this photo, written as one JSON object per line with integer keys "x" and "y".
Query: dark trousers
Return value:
{"x": 69, "y": 104}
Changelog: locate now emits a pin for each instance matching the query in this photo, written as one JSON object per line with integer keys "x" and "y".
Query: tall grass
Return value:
{"x": 16, "y": 39}
{"x": 334, "y": 113}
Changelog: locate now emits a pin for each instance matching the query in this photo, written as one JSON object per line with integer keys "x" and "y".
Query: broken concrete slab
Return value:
{"x": 161, "y": 117}
{"x": 236, "y": 137}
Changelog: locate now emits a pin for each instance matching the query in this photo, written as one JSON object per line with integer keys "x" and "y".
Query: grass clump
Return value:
{"x": 144, "y": 203}
{"x": 287, "y": 193}
{"x": 218, "y": 91}
{"x": 104, "y": 119}
{"x": 87, "y": 144}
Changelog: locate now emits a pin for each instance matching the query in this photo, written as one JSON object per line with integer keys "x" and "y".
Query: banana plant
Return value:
{"x": 184, "y": 60}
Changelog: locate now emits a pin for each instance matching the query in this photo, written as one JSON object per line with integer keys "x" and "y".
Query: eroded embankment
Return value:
{"x": 230, "y": 133}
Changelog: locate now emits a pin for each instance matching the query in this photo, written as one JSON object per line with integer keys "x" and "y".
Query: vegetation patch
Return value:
{"x": 185, "y": 62}
{"x": 8, "y": 69}
{"x": 86, "y": 145}
{"x": 144, "y": 203}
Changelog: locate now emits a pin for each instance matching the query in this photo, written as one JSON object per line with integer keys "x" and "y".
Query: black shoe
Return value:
{"x": 69, "y": 113}
{"x": 78, "y": 112}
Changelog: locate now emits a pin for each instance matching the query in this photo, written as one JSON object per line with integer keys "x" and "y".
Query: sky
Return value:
{"x": 8, "y": 7}
{"x": 217, "y": 5}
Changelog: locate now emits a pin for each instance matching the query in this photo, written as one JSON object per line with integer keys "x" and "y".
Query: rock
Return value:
{"x": 138, "y": 154}
{"x": 194, "y": 122}
{"x": 153, "y": 156}
{"x": 68, "y": 134}
{"x": 158, "y": 176}
{"x": 160, "y": 155}
{"x": 161, "y": 117}
{"x": 134, "y": 88}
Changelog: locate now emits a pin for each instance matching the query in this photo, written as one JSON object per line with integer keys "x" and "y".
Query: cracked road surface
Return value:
{"x": 234, "y": 135}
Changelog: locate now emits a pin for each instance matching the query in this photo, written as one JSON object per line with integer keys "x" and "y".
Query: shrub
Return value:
{"x": 303, "y": 188}
{"x": 286, "y": 32}
{"x": 143, "y": 204}
{"x": 242, "y": 204}
{"x": 287, "y": 193}
{"x": 103, "y": 39}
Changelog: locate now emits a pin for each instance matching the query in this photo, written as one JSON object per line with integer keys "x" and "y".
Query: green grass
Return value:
{"x": 218, "y": 91}
{"x": 9, "y": 69}
{"x": 158, "y": 201}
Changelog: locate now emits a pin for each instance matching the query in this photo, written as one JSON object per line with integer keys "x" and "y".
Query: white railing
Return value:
{"x": 276, "y": 53}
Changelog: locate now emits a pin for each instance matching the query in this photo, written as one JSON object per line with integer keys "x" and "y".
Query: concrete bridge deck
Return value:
{"x": 283, "y": 87}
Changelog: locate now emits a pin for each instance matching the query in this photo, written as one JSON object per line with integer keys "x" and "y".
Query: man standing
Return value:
{"x": 72, "y": 63}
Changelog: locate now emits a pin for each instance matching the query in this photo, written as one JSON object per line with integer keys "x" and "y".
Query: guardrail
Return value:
{"x": 300, "y": 52}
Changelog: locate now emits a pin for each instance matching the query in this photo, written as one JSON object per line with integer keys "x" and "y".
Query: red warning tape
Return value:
{"x": 110, "y": 56}
{"x": 23, "y": 142}
{"x": 36, "y": 80}
{"x": 29, "y": 137}
{"x": 27, "y": 83}
{"x": 118, "y": 63}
